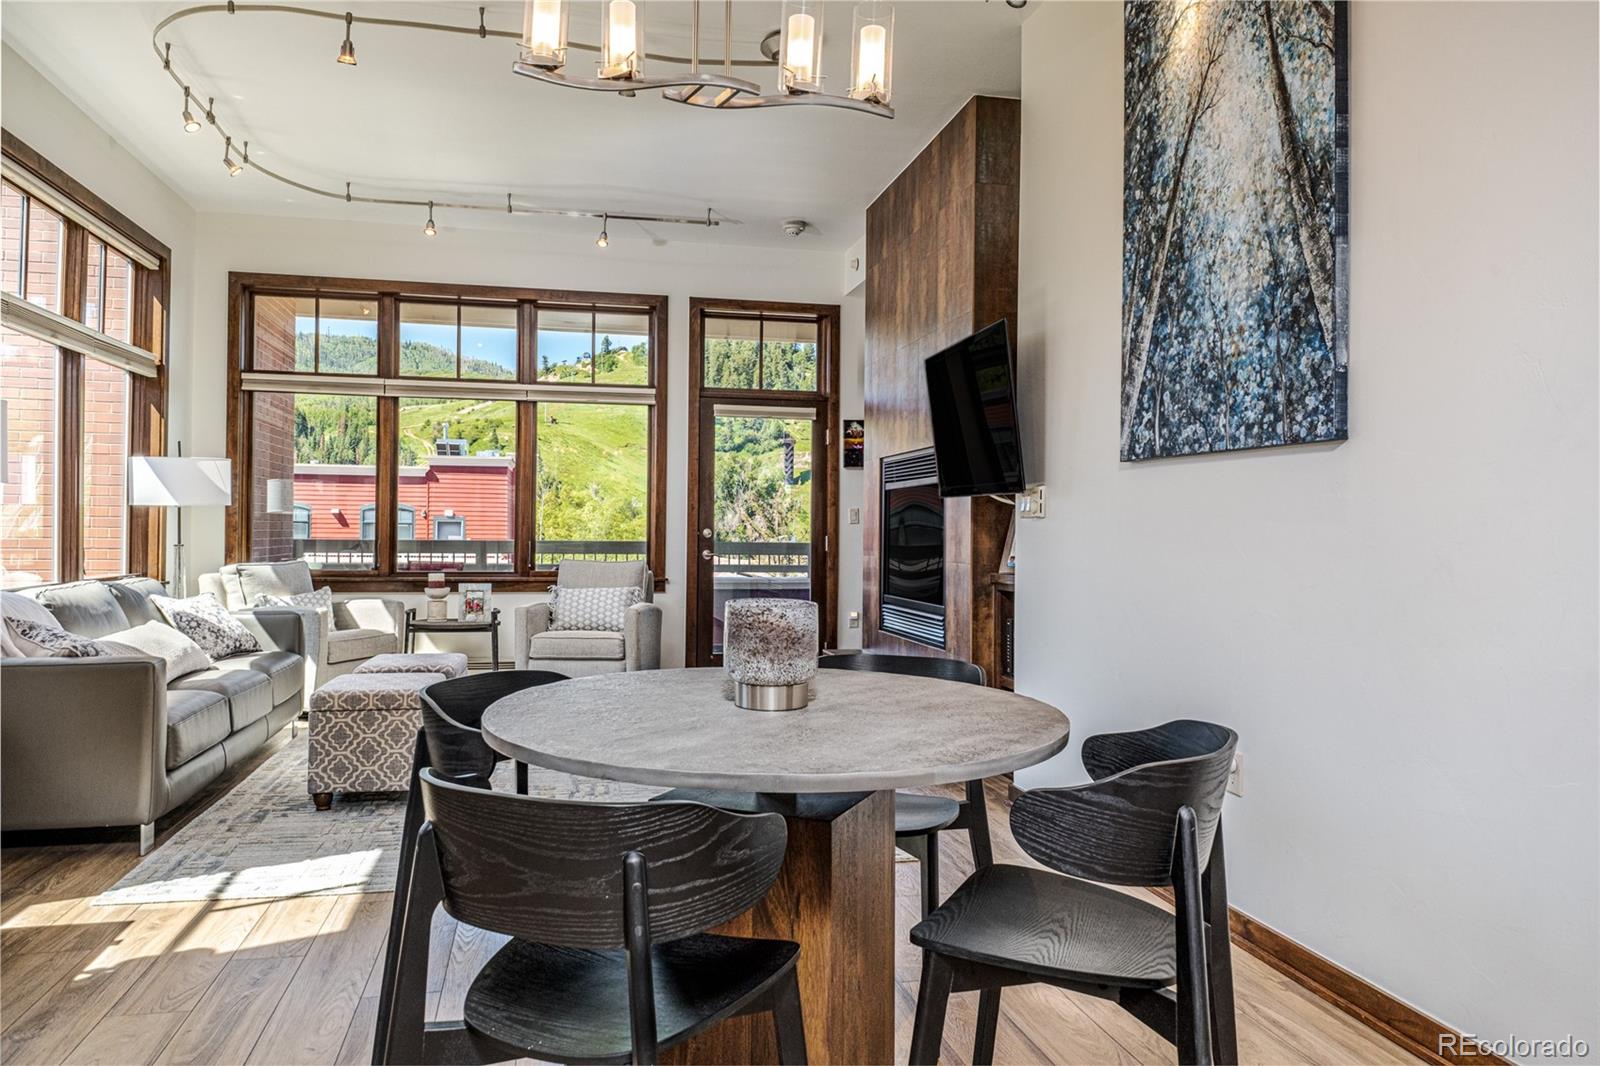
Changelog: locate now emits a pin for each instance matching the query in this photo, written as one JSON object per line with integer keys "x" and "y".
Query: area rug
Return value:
{"x": 265, "y": 839}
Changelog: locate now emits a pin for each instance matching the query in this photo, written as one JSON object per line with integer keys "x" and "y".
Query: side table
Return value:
{"x": 491, "y": 626}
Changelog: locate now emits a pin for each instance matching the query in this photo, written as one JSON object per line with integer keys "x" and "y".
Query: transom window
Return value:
{"x": 759, "y": 352}
{"x": 433, "y": 427}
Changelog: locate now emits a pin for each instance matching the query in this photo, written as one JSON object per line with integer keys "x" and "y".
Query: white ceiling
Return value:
{"x": 428, "y": 115}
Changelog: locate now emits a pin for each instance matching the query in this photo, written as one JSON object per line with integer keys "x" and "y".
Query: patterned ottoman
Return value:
{"x": 448, "y": 663}
{"x": 363, "y": 733}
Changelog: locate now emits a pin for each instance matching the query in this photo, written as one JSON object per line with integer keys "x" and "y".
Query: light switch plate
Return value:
{"x": 855, "y": 516}
{"x": 1030, "y": 504}
{"x": 855, "y": 619}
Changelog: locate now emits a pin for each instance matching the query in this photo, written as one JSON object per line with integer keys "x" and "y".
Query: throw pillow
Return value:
{"x": 206, "y": 622}
{"x": 178, "y": 654}
{"x": 15, "y": 605}
{"x": 37, "y": 640}
{"x": 591, "y": 608}
{"x": 321, "y": 599}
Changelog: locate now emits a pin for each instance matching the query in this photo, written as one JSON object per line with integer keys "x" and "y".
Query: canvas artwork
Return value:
{"x": 1235, "y": 253}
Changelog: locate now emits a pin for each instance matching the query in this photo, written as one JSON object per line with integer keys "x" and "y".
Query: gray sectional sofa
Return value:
{"x": 107, "y": 742}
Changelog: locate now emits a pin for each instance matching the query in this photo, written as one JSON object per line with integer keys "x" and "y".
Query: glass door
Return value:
{"x": 761, "y": 507}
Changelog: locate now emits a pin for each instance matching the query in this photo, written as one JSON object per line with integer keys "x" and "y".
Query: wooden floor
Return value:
{"x": 295, "y": 980}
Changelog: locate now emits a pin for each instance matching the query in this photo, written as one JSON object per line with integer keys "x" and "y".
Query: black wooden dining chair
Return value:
{"x": 452, "y": 717}
{"x": 607, "y": 905}
{"x": 1151, "y": 817}
{"x": 451, "y": 743}
{"x": 919, "y": 819}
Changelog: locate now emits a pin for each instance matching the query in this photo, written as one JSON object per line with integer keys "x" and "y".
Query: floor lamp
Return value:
{"x": 163, "y": 481}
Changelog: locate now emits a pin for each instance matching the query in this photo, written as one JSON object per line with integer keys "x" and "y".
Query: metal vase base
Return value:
{"x": 771, "y": 697}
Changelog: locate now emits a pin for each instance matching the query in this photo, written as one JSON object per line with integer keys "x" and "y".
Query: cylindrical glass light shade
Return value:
{"x": 872, "y": 52}
{"x": 544, "y": 33}
{"x": 622, "y": 39}
{"x": 800, "y": 46}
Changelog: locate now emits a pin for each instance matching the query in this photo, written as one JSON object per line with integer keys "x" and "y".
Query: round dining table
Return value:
{"x": 830, "y": 769}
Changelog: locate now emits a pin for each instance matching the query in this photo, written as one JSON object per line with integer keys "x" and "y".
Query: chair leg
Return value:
{"x": 927, "y": 1033}
{"x": 988, "y": 1023}
{"x": 978, "y": 826}
{"x": 1193, "y": 992}
{"x": 930, "y": 874}
{"x": 1219, "y": 956}
{"x": 789, "y": 1022}
{"x": 522, "y": 778}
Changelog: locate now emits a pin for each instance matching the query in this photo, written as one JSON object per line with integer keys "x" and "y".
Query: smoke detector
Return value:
{"x": 793, "y": 227}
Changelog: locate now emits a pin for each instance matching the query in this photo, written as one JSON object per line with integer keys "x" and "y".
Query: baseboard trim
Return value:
{"x": 1395, "y": 1020}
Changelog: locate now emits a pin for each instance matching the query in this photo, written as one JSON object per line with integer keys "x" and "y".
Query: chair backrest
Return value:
{"x": 1119, "y": 829}
{"x": 914, "y": 665}
{"x": 551, "y": 871}
{"x": 452, "y": 711}
{"x": 238, "y": 584}
{"x": 597, "y": 574}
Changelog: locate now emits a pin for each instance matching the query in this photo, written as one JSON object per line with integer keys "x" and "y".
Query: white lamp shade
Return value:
{"x": 162, "y": 481}
{"x": 280, "y": 495}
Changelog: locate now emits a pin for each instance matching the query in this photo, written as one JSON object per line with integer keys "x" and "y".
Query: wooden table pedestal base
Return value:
{"x": 835, "y": 898}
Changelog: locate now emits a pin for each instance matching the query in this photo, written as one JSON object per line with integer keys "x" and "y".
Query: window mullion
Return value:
{"x": 388, "y": 486}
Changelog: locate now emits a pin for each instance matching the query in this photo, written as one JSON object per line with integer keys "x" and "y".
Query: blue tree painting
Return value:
{"x": 1234, "y": 254}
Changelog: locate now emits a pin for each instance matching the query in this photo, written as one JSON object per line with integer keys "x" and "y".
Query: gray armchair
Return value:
{"x": 357, "y": 630}
{"x": 582, "y": 652}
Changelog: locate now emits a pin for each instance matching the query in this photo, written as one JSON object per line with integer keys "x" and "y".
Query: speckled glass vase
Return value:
{"x": 770, "y": 650}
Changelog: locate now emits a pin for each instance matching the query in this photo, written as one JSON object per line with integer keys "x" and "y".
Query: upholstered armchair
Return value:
{"x": 356, "y": 630}
{"x": 581, "y": 652}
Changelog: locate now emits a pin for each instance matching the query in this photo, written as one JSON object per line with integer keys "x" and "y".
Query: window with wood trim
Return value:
{"x": 82, "y": 357}
{"x": 419, "y": 427}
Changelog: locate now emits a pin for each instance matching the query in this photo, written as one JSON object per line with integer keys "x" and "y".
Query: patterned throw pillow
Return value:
{"x": 591, "y": 609}
{"x": 321, "y": 599}
{"x": 206, "y": 622}
{"x": 52, "y": 641}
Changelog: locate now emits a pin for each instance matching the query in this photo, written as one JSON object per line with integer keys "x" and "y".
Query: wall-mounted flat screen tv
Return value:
{"x": 973, "y": 403}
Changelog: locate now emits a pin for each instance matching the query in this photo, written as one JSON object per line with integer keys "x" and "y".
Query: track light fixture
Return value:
{"x": 190, "y": 123}
{"x": 347, "y": 51}
{"x": 194, "y": 120}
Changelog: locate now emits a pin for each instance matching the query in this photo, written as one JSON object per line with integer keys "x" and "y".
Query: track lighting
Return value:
{"x": 604, "y": 239}
{"x": 234, "y": 169}
{"x": 430, "y": 230}
{"x": 347, "y": 51}
{"x": 190, "y": 123}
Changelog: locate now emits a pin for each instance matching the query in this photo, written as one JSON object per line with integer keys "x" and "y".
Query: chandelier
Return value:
{"x": 620, "y": 67}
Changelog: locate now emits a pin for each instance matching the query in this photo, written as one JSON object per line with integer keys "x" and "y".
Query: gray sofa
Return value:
{"x": 359, "y": 628}
{"x": 581, "y": 652}
{"x": 106, "y": 742}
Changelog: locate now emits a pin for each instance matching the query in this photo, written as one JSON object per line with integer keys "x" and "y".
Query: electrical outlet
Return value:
{"x": 855, "y": 516}
{"x": 855, "y": 619}
{"x": 1030, "y": 504}
{"x": 1236, "y": 774}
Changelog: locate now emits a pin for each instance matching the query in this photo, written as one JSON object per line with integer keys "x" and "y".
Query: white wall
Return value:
{"x": 1402, "y": 627}
{"x": 514, "y": 257}
{"x": 36, "y": 111}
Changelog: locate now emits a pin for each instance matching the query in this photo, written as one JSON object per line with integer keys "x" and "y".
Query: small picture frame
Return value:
{"x": 855, "y": 443}
{"x": 475, "y": 605}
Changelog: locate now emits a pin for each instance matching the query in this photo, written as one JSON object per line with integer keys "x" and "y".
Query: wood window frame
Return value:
{"x": 526, "y": 577}
{"x": 826, "y": 396}
{"x": 147, "y": 396}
